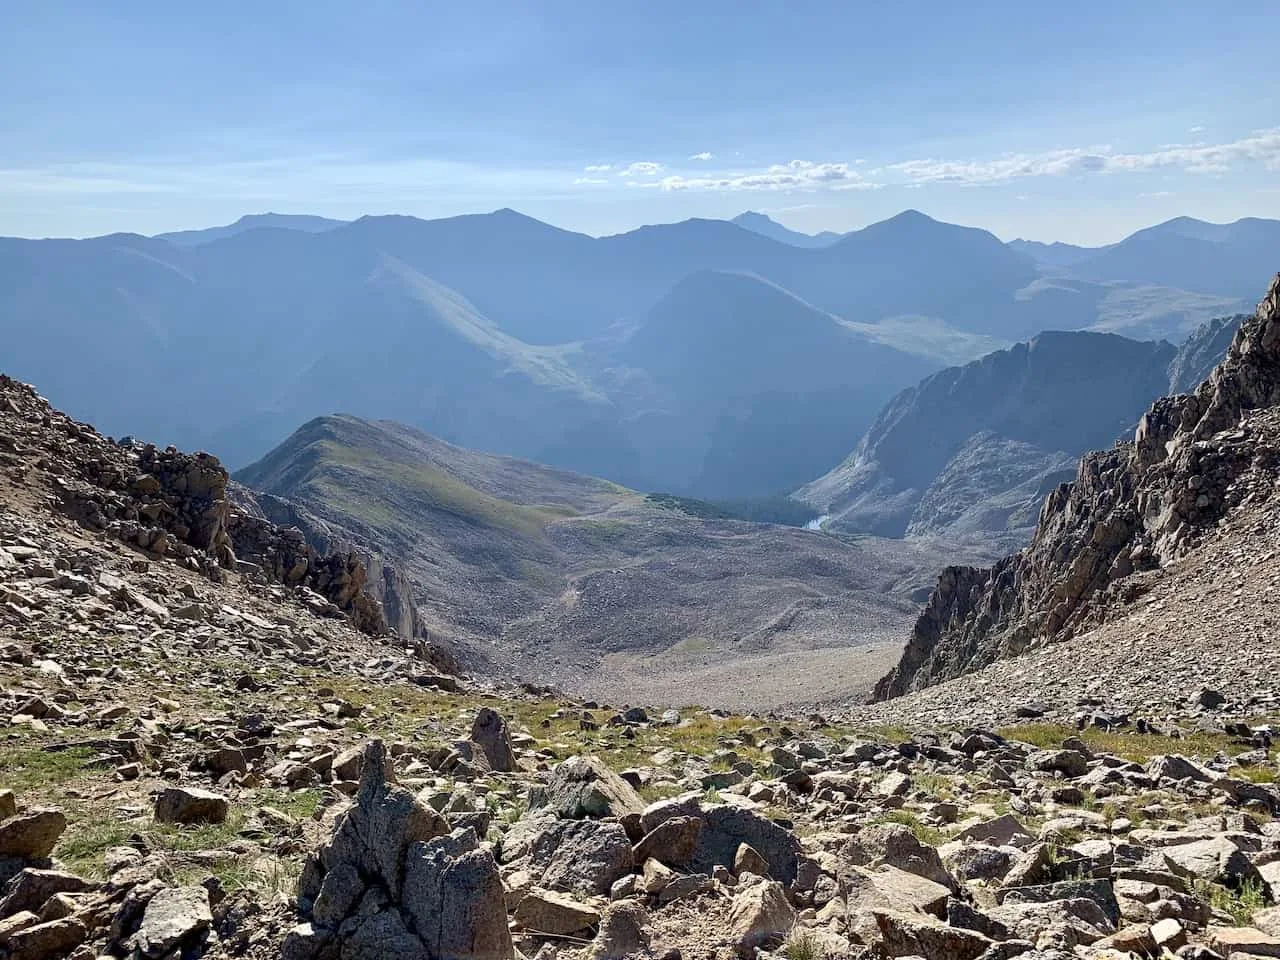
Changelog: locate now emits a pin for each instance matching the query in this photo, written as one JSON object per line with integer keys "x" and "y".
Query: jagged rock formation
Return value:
{"x": 394, "y": 882}
{"x": 385, "y": 581}
{"x": 1202, "y": 351}
{"x": 172, "y": 505}
{"x": 1131, "y": 508}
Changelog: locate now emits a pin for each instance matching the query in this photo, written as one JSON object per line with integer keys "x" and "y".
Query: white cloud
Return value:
{"x": 793, "y": 175}
{"x": 704, "y": 155}
{"x": 588, "y": 180}
{"x": 1262, "y": 147}
{"x": 641, "y": 168}
{"x": 597, "y": 168}
{"x": 1196, "y": 129}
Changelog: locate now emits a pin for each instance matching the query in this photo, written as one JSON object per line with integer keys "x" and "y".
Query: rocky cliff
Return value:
{"x": 968, "y": 449}
{"x": 1131, "y": 508}
{"x": 171, "y": 505}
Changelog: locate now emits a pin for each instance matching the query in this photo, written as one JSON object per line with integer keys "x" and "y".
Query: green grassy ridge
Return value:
{"x": 433, "y": 487}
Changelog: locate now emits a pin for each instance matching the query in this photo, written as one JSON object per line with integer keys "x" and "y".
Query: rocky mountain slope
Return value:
{"x": 977, "y": 447}
{"x": 202, "y": 760}
{"x": 1196, "y": 461}
{"x": 521, "y": 569}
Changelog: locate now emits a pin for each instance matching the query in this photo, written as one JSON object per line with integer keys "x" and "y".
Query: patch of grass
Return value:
{"x": 176, "y": 838}
{"x": 1240, "y": 904}
{"x": 923, "y": 832}
{"x": 33, "y": 769}
{"x": 802, "y": 945}
{"x": 935, "y": 784}
{"x": 1254, "y": 774}
{"x": 432, "y": 488}
{"x": 87, "y": 839}
{"x": 299, "y": 804}
{"x": 1130, "y": 745}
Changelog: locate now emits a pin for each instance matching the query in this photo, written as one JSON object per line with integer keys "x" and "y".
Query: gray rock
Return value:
{"x": 916, "y": 935}
{"x": 32, "y": 835}
{"x": 622, "y": 934}
{"x": 454, "y": 899}
{"x": 186, "y": 805}
{"x": 580, "y": 856}
{"x": 176, "y": 917}
{"x": 31, "y": 888}
{"x": 490, "y": 732}
{"x": 556, "y": 914}
{"x": 1215, "y": 859}
{"x": 760, "y": 915}
{"x": 583, "y": 787}
{"x": 46, "y": 941}
{"x": 672, "y": 842}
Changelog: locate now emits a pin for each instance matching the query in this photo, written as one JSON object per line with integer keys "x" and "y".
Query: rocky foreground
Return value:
{"x": 202, "y": 756}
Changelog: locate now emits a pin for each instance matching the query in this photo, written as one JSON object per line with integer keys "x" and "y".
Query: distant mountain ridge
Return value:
{"x": 307, "y": 223}
{"x": 504, "y": 333}
{"x": 766, "y": 226}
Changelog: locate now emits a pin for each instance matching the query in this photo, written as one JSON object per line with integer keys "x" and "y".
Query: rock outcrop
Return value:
{"x": 1131, "y": 508}
{"x": 173, "y": 505}
{"x": 395, "y": 882}
{"x": 968, "y": 449}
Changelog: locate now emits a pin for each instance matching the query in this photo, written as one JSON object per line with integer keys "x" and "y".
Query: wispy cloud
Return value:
{"x": 1262, "y": 147}
{"x": 704, "y": 155}
{"x": 597, "y": 168}
{"x": 641, "y": 168}
{"x": 579, "y": 181}
{"x": 793, "y": 175}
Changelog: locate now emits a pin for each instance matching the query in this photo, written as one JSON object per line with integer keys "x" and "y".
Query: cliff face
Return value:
{"x": 1131, "y": 508}
{"x": 968, "y": 449}
{"x": 385, "y": 581}
{"x": 172, "y": 505}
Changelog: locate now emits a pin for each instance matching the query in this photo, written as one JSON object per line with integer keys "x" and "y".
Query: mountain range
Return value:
{"x": 699, "y": 357}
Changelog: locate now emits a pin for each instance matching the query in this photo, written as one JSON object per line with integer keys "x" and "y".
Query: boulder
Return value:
{"x": 490, "y": 732}
{"x": 760, "y": 915}
{"x": 392, "y": 881}
{"x": 1215, "y": 859}
{"x": 583, "y": 787}
{"x": 31, "y": 888}
{"x": 555, "y": 914}
{"x": 580, "y": 856}
{"x": 175, "y": 919}
{"x": 623, "y": 933}
{"x": 672, "y": 842}
{"x": 32, "y": 835}
{"x": 45, "y": 941}
{"x": 1246, "y": 941}
{"x": 916, "y": 935}
{"x": 454, "y": 900}
{"x": 186, "y": 805}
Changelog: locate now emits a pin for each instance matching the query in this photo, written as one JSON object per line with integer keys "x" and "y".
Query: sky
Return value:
{"x": 1078, "y": 122}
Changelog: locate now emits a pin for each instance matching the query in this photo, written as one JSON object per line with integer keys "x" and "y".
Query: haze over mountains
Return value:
{"x": 699, "y": 357}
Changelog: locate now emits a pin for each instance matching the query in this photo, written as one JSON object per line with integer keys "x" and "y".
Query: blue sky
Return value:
{"x": 1077, "y": 121}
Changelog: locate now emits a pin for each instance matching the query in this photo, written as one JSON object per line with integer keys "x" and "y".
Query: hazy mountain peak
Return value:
{"x": 766, "y": 226}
